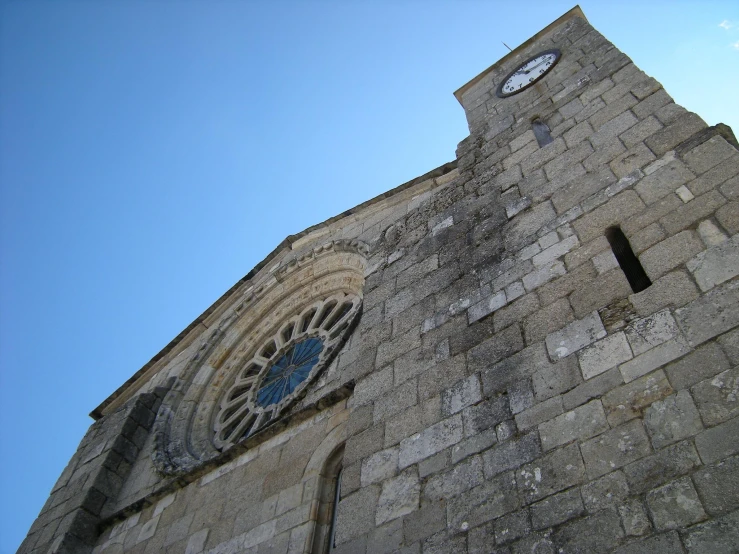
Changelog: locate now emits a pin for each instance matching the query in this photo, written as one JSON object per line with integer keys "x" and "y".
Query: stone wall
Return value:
{"x": 506, "y": 390}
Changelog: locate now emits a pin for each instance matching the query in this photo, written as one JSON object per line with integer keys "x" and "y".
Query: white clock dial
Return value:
{"x": 528, "y": 73}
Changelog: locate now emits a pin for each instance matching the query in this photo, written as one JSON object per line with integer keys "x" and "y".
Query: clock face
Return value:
{"x": 528, "y": 73}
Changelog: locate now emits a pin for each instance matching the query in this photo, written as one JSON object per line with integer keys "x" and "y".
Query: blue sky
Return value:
{"x": 151, "y": 153}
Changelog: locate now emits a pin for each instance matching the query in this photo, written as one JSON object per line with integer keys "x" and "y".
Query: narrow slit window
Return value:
{"x": 541, "y": 132}
{"x": 630, "y": 264}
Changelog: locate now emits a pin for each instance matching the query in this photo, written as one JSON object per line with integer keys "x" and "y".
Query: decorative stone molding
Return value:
{"x": 215, "y": 401}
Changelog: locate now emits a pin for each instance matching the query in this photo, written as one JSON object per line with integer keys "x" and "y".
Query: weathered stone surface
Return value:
{"x": 483, "y": 503}
{"x": 556, "y": 509}
{"x": 668, "y": 463}
{"x": 502, "y": 345}
{"x": 576, "y": 336}
{"x": 718, "y": 398}
{"x": 429, "y": 519}
{"x": 538, "y": 413}
{"x": 718, "y": 486}
{"x": 581, "y": 423}
{"x": 627, "y": 402}
{"x": 673, "y": 290}
{"x": 714, "y": 537}
{"x": 615, "y": 449}
{"x": 634, "y": 518}
{"x": 400, "y": 496}
{"x": 663, "y": 181}
{"x": 648, "y": 332}
{"x": 675, "y": 505}
{"x": 357, "y": 514}
{"x": 463, "y": 477}
{"x": 463, "y": 394}
{"x": 473, "y": 445}
{"x": 552, "y": 318}
{"x": 485, "y": 415}
{"x": 670, "y": 253}
{"x": 553, "y": 379}
{"x": 379, "y": 466}
{"x": 430, "y": 441}
{"x": 593, "y": 388}
{"x": 718, "y": 442}
{"x": 653, "y": 359}
{"x": 716, "y": 265}
{"x": 666, "y": 543}
{"x": 511, "y": 454}
{"x": 603, "y": 355}
{"x": 599, "y": 532}
{"x": 604, "y": 492}
{"x": 672, "y": 419}
{"x": 552, "y": 473}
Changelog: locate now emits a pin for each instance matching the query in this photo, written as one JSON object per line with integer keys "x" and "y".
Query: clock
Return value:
{"x": 528, "y": 73}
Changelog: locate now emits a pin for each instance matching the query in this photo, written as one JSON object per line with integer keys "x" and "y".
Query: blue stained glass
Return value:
{"x": 289, "y": 371}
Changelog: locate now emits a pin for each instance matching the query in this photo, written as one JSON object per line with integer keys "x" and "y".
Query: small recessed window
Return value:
{"x": 630, "y": 264}
{"x": 541, "y": 132}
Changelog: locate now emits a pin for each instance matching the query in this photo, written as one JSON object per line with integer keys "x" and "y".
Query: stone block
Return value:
{"x": 702, "y": 364}
{"x": 728, "y": 217}
{"x": 553, "y": 379}
{"x": 520, "y": 396}
{"x": 565, "y": 285}
{"x": 363, "y": 444}
{"x": 718, "y": 397}
{"x": 556, "y": 509}
{"x": 557, "y": 471}
{"x": 395, "y": 401}
{"x": 675, "y": 505}
{"x": 357, "y": 514}
{"x": 462, "y": 477}
{"x": 605, "y": 261}
{"x": 719, "y": 536}
{"x": 666, "y": 543}
{"x": 730, "y": 344}
{"x": 578, "y": 133}
{"x": 646, "y": 333}
{"x": 710, "y": 315}
{"x": 579, "y": 424}
{"x": 576, "y": 336}
{"x": 429, "y": 519}
{"x": 539, "y": 413}
{"x": 636, "y": 134}
{"x": 373, "y": 386}
{"x": 664, "y": 465}
{"x": 615, "y": 126}
{"x": 596, "y": 294}
{"x": 718, "y": 442}
{"x": 430, "y": 441}
{"x": 607, "y": 491}
{"x": 594, "y": 388}
{"x": 634, "y": 518}
{"x": 646, "y": 237}
{"x": 652, "y": 104}
{"x": 603, "y": 355}
{"x": 502, "y": 345}
{"x": 615, "y": 211}
{"x": 552, "y": 318}
{"x": 670, "y": 253}
{"x": 653, "y": 359}
{"x": 379, "y": 466}
{"x": 580, "y": 187}
{"x": 486, "y": 502}
{"x": 500, "y": 376}
{"x": 673, "y": 290}
{"x": 721, "y": 173}
{"x": 709, "y": 154}
{"x": 672, "y": 419}
{"x": 689, "y": 214}
{"x": 680, "y": 130}
{"x": 615, "y": 448}
{"x": 511, "y": 454}
{"x": 603, "y": 154}
{"x": 542, "y": 275}
{"x": 629, "y": 401}
{"x": 400, "y": 496}
{"x": 663, "y": 181}
{"x": 486, "y": 306}
{"x": 473, "y": 445}
{"x": 716, "y": 265}
{"x": 510, "y": 527}
{"x": 635, "y": 158}
{"x": 435, "y": 464}
{"x": 516, "y": 311}
{"x": 529, "y": 223}
{"x": 718, "y": 486}
{"x": 485, "y": 415}
{"x": 599, "y": 532}
{"x": 463, "y": 394}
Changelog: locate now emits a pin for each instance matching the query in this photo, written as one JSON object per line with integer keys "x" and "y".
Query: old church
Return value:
{"x": 532, "y": 348}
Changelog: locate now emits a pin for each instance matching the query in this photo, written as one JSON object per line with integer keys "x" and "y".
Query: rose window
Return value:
{"x": 282, "y": 366}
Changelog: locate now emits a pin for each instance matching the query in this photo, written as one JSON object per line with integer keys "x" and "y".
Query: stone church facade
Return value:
{"x": 532, "y": 348}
